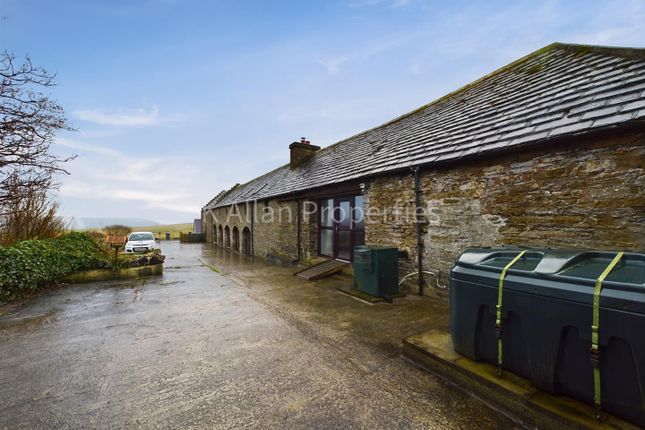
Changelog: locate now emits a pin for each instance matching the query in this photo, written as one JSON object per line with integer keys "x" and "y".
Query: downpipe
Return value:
{"x": 417, "y": 219}
{"x": 298, "y": 227}
{"x": 252, "y": 244}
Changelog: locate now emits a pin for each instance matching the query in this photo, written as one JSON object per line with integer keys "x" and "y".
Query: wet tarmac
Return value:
{"x": 222, "y": 341}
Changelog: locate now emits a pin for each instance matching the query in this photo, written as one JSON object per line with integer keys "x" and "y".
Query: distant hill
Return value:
{"x": 98, "y": 223}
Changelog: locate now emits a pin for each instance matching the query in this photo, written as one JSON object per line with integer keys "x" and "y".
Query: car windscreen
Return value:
{"x": 140, "y": 236}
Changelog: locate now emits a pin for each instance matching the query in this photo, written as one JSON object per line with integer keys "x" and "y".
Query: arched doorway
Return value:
{"x": 236, "y": 239}
{"x": 246, "y": 241}
{"x": 214, "y": 233}
{"x": 220, "y": 235}
{"x": 227, "y": 237}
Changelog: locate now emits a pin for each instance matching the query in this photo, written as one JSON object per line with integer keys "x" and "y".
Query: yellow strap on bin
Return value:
{"x": 595, "y": 325}
{"x": 498, "y": 319}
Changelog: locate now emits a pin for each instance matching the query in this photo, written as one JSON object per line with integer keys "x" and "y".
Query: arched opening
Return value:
{"x": 220, "y": 235}
{"x": 227, "y": 237}
{"x": 246, "y": 241}
{"x": 236, "y": 239}
{"x": 214, "y": 233}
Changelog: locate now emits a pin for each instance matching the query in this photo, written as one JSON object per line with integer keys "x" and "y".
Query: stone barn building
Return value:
{"x": 546, "y": 152}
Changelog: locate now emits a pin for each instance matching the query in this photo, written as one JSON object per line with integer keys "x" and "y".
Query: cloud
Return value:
{"x": 85, "y": 147}
{"x": 104, "y": 179}
{"x": 333, "y": 64}
{"x": 365, "y": 52}
{"x": 134, "y": 117}
{"x": 72, "y": 188}
{"x": 183, "y": 207}
{"x": 149, "y": 197}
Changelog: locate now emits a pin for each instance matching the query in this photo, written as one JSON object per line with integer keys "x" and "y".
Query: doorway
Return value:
{"x": 246, "y": 241}
{"x": 236, "y": 239}
{"x": 341, "y": 226}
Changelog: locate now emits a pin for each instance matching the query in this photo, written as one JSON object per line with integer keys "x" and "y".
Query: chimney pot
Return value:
{"x": 303, "y": 140}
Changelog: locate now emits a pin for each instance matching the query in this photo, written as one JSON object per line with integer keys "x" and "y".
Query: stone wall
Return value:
{"x": 309, "y": 230}
{"x": 389, "y": 217}
{"x": 274, "y": 227}
{"x": 588, "y": 195}
{"x": 232, "y": 216}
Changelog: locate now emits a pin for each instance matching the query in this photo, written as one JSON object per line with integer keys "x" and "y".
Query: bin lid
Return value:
{"x": 565, "y": 274}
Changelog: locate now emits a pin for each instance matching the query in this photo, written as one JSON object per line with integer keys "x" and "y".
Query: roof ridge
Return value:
{"x": 616, "y": 51}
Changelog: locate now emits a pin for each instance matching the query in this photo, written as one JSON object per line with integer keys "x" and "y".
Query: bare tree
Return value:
{"x": 29, "y": 214}
{"x": 29, "y": 121}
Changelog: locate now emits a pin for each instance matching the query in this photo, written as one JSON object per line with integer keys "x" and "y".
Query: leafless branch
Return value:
{"x": 29, "y": 121}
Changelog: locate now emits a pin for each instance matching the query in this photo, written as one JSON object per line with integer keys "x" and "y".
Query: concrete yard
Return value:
{"x": 222, "y": 341}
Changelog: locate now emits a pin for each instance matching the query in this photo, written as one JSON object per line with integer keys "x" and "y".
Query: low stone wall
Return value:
{"x": 108, "y": 274}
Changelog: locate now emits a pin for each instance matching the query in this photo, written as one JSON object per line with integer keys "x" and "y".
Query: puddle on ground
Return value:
{"x": 29, "y": 321}
{"x": 169, "y": 283}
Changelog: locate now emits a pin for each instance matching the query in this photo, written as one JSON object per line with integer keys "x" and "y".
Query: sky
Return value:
{"x": 173, "y": 100}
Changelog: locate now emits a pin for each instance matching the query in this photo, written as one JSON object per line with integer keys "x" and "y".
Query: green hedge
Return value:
{"x": 29, "y": 265}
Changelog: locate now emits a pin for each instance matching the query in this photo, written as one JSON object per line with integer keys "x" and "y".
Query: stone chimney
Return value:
{"x": 301, "y": 152}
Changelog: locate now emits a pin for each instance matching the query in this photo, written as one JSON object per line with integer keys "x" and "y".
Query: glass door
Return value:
{"x": 343, "y": 221}
{"x": 327, "y": 228}
{"x": 341, "y": 226}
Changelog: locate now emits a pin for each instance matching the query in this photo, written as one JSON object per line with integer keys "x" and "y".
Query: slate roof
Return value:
{"x": 558, "y": 90}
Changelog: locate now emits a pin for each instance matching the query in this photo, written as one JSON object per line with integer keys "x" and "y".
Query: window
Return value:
{"x": 141, "y": 236}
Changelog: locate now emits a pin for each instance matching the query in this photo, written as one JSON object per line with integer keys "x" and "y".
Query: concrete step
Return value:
{"x": 321, "y": 270}
{"x": 512, "y": 395}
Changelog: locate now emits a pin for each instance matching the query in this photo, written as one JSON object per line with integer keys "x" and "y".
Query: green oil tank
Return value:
{"x": 376, "y": 270}
{"x": 547, "y": 317}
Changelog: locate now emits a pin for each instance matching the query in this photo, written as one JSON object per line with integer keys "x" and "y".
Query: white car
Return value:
{"x": 140, "y": 241}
